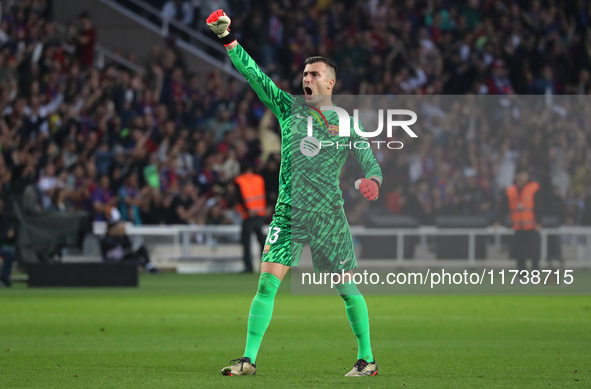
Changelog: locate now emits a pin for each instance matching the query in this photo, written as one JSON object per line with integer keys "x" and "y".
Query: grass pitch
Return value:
{"x": 178, "y": 331}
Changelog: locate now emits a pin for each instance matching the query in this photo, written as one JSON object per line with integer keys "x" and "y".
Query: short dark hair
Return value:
{"x": 325, "y": 60}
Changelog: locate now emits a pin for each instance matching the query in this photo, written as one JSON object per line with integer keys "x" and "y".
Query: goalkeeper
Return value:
{"x": 317, "y": 210}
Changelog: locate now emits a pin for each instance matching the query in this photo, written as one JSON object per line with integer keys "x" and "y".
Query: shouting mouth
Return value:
{"x": 308, "y": 92}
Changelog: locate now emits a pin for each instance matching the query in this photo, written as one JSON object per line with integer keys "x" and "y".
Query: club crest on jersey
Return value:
{"x": 267, "y": 249}
{"x": 333, "y": 130}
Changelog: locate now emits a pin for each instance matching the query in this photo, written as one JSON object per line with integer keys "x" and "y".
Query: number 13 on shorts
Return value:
{"x": 273, "y": 234}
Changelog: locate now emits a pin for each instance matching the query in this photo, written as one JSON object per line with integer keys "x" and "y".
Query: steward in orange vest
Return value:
{"x": 521, "y": 205}
{"x": 520, "y": 202}
{"x": 252, "y": 205}
{"x": 252, "y": 190}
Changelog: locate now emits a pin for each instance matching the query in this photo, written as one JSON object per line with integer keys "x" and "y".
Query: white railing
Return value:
{"x": 162, "y": 30}
{"x": 102, "y": 53}
{"x": 165, "y": 25}
{"x": 181, "y": 235}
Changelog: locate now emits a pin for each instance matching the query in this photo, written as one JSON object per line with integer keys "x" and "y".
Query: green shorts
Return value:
{"x": 328, "y": 234}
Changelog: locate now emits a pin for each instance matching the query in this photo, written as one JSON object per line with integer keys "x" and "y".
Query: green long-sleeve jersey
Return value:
{"x": 306, "y": 182}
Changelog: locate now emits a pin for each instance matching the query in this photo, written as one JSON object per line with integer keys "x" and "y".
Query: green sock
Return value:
{"x": 358, "y": 317}
{"x": 260, "y": 314}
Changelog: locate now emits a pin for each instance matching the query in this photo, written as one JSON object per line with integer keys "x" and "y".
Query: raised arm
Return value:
{"x": 277, "y": 100}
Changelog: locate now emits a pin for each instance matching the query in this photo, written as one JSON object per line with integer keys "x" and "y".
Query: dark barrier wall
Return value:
{"x": 83, "y": 274}
{"x": 456, "y": 247}
{"x": 385, "y": 247}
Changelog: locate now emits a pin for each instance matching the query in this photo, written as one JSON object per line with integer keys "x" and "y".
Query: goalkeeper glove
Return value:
{"x": 219, "y": 23}
{"x": 369, "y": 187}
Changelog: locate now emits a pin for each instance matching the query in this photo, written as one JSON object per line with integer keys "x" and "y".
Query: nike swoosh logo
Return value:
{"x": 250, "y": 314}
{"x": 345, "y": 261}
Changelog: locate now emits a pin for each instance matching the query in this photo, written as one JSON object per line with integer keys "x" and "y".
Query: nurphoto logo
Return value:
{"x": 310, "y": 146}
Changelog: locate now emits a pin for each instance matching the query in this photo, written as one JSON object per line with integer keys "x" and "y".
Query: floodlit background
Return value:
{"x": 130, "y": 109}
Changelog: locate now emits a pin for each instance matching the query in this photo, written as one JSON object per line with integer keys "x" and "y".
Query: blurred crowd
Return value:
{"x": 471, "y": 147}
{"x": 163, "y": 146}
